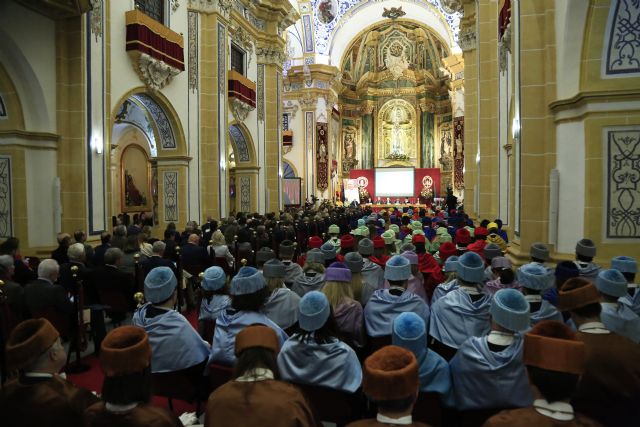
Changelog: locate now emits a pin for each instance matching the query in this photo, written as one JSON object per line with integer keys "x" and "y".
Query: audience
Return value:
{"x": 215, "y": 297}
{"x": 282, "y": 303}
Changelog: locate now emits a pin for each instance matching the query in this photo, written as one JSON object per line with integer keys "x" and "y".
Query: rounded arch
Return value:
{"x": 167, "y": 130}
{"x": 37, "y": 117}
{"x": 243, "y": 147}
{"x": 289, "y": 170}
{"x": 359, "y": 17}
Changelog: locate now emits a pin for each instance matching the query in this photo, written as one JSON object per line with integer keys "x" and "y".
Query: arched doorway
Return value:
{"x": 148, "y": 163}
{"x": 242, "y": 171}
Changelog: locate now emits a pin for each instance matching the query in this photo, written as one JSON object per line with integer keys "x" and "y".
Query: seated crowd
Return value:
{"x": 392, "y": 311}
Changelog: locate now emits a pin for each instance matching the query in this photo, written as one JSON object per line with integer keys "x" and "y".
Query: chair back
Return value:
{"x": 174, "y": 385}
{"x": 115, "y": 300}
{"x": 476, "y": 417}
{"x": 219, "y": 375}
{"x": 428, "y": 409}
{"x": 333, "y": 406}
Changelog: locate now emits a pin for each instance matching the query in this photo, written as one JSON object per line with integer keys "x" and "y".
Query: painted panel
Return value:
{"x": 6, "y": 213}
{"x": 245, "y": 193}
{"x": 622, "y": 172}
{"x": 170, "y": 181}
{"x": 622, "y": 39}
{"x": 242, "y": 149}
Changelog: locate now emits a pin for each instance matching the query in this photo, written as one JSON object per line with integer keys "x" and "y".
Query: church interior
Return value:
{"x": 204, "y": 151}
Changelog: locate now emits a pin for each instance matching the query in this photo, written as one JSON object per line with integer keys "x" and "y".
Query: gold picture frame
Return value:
{"x": 135, "y": 180}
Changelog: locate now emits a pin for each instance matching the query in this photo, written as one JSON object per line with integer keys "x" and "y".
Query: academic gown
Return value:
{"x": 333, "y": 365}
{"x": 528, "y": 417}
{"x": 304, "y": 284}
{"x": 141, "y": 416}
{"x": 483, "y": 379}
{"x": 282, "y": 307}
{"x": 435, "y": 376}
{"x": 38, "y": 402}
{"x": 622, "y": 320}
{"x": 588, "y": 270}
{"x": 257, "y": 404}
{"x": 292, "y": 272}
{"x": 384, "y": 306}
{"x": 414, "y": 285}
{"x": 546, "y": 312}
{"x": 372, "y": 422}
{"x": 210, "y": 310}
{"x": 609, "y": 389}
{"x": 372, "y": 273}
{"x": 455, "y": 318}
{"x": 367, "y": 290}
{"x": 442, "y": 289}
{"x": 493, "y": 286}
{"x": 229, "y": 324}
{"x": 632, "y": 300}
{"x": 349, "y": 317}
{"x": 175, "y": 345}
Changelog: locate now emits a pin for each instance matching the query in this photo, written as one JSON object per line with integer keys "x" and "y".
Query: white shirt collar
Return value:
{"x": 500, "y": 338}
{"x": 533, "y": 298}
{"x": 38, "y": 375}
{"x": 402, "y": 421}
{"x": 632, "y": 285}
{"x": 471, "y": 290}
{"x": 593, "y": 328}
{"x": 112, "y": 407}
{"x": 560, "y": 411}
{"x": 258, "y": 374}
{"x": 610, "y": 304}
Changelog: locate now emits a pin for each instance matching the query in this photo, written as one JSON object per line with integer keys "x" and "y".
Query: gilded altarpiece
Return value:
{"x": 396, "y": 142}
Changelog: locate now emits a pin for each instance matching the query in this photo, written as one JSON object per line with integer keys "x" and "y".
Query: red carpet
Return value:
{"x": 92, "y": 379}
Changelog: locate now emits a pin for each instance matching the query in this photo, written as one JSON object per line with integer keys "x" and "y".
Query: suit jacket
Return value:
{"x": 170, "y": 249}
{"x": 23, "y": 274}
{"x": 109, "y": 277}
{"x": 98, "y": 254}
{"x": 40, "y": 293}
{"x": 155, "y": 261}
{"x": 86, "y": 275}
{"x": 60, "y": 254}
{"x": 195, "y": 255}
{"x": 38, "y": 402}
{"x": 15, "y": 301}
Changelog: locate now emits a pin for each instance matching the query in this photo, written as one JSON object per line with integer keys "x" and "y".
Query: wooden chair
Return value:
{"x": 219, "y": 375}
{"x": 333, "y": 406}
{"x": 428, "y": 409}
{"x": 178, "y": 385}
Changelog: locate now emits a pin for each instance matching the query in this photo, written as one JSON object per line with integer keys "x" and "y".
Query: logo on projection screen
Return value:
{"x": 362, "y": 181}
{"x": 427, "y": 181}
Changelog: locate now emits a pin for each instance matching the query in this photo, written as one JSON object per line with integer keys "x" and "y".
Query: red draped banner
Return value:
{"x": 458, "y": 153}
{"x": 423, "y": 177}
{"x": 322, "y": 156}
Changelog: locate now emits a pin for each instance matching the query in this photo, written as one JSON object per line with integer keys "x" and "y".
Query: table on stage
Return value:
{"x": 376, "y": 208}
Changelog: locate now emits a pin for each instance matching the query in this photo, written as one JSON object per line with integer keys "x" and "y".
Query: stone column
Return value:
{"x": 368, "y": 144}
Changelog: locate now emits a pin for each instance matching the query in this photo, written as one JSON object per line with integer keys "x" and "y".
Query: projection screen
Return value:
{"x": 394, "y": 182}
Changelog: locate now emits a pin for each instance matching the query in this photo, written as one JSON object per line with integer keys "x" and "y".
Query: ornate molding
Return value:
{"x": 504, "y": 48}
{"x": 427, "y": 107}
{"x": 153, "y": 72}
{"x": 367, "y": 108}
{"x": 308, "y": 100}
{"x": 292, "y": 108}
{"x": 467, "y": 39}
{"x": 174, "y": 5}
{"x": 96, "y": 18}
{"x": 452, "y": 6}
{"x": 271, "y": 55}
{"x": 240, "y": 110}
{"x": 242, "y": 39}
{"x": 212, "y": 6}
{"x": 193, "y": 50}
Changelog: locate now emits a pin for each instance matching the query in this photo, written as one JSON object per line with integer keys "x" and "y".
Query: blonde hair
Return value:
{"x": 337, "y": 292}
{"x": 356, "y": 285}
{"x": 450, "y": 277}
{"x": 313, "y": 266}
{"x": 217, "y": 239}
{"x": 274, "y": 283}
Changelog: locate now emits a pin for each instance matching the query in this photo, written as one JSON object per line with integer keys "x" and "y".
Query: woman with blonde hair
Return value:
{"x": 312, "y": 278}
{"x": 347, "y": 311}
{"x": 219, "y": 249}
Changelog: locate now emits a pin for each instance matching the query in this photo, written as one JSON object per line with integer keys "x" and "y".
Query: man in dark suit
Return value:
{"x": 170, "y": 245}
{"x": 193, "y": 254}
{"x": 98, "y": 253}
{"x": 110, "y": 278}
{"x": 13, "y": 292}
{"x": 43, "y": 292}
{"x": 207, "y": 230}
{"x": 60, "y": 253}
{"x": 157, "y": 260}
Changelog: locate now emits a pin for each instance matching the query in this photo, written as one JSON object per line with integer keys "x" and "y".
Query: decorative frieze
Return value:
{"x": 260, "y": 92}
{"x": 467, "y": 39}
{"x": 193, "y": 50}
{"x": 6, "y": 215}
{"x": 170, "y": 185}
{"x": 622, "y": 39}
{"x": 271, "y": 55}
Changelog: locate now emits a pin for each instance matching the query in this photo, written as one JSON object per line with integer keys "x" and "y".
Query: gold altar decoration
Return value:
{"x": 397, "y": 142}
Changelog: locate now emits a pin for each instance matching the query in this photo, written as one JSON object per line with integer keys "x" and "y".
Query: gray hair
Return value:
{"x": 120, "y": 230}
{"x": 112, "y": 255}
{"x": 48, "y": 267}
{"x": 76, "y": 252}
{"x": 159, "y": 246}
{"x": 6, "y": 262}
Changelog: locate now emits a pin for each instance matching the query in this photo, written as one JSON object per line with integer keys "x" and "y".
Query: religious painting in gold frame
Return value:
{"x": 397, "y": 143}
{"x": 135, "y": 180}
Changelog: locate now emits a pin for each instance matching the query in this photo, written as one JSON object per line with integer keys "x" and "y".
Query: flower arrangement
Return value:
{"x": 427, "y": 192}
{"x": 364, "y": 194}
{"x": 397, "y": 156}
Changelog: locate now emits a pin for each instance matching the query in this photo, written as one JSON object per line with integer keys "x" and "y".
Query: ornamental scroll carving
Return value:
{"x": 154, "y": 73}
{"x": 271, "y": 55}
{"x": 242, "y": 39}
{"x": 210, "y": 6}
{"x": 467, "y": 39}
{"x": 239, "y": 109}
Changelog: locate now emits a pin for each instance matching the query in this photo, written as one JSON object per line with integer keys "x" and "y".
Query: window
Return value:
{"x": 237, "y": 59}
{"x": 152, "y": 8}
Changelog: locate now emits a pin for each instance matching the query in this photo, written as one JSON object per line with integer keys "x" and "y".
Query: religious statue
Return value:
{"x": 349, "y": 146}
{"x": 397, "y": 130}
